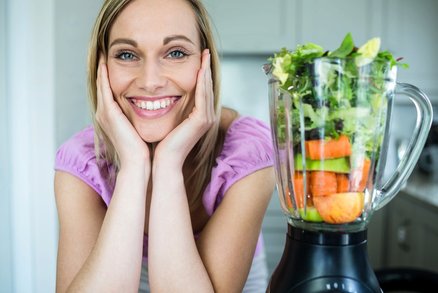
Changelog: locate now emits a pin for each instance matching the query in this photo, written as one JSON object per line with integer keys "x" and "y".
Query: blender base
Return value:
{"x": 324, "y": 262}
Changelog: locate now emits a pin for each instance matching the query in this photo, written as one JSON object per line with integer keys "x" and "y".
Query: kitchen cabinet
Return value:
{"x": 260, "y": 26}
{"x": 406, "y": 27}
{"x": 327, "y": 22}
{"x": 412, "y": 235}
{"x": 255, "y": 26}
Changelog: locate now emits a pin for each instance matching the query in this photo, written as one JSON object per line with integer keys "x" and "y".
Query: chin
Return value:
{"x": 151, "y": 134}
{"x": 148, "y": 138}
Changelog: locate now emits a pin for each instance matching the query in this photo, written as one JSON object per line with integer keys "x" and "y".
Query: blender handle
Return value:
{"x": 408, "y": 161}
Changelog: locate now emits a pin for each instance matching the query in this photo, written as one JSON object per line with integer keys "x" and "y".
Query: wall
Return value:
{"x": 27, "y": 133}
{"x": 74, "y": 21}
{"x": 42, "y": 102}
{"x": 5, "y": 223}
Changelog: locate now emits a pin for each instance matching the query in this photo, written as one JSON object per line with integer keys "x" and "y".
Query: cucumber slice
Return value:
{"x": 339, "y": 165}
{"x": 311, "y": 215}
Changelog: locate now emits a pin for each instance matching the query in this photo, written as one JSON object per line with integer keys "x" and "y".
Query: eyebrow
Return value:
{"x": 124, "y": 41}
{"x": 165, "y": 41}
{"x": 176, "y": 37}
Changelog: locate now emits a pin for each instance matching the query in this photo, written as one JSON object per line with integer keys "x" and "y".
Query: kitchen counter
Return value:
{"x": 423, "y": 188}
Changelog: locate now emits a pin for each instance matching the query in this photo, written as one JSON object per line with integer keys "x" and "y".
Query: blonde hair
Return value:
{"x": 198, "y": 165}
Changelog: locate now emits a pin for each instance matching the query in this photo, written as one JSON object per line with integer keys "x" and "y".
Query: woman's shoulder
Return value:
{"x": 79, "y": 147}
{"x": 247, "y": 135}
{"x": 238, "y": 127}
{"x": 77, "y": 156}
{"x": 247, "y": 148}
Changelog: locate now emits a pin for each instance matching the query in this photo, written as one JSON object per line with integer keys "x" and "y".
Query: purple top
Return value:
{"x": 247, "y": 148}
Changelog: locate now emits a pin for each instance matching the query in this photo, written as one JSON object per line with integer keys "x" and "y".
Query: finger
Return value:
{"x": 209, "y": 91}
{"x": 200, "y": 94}
{"x": 98, "y": 84}
{"x": 105, "y": 89}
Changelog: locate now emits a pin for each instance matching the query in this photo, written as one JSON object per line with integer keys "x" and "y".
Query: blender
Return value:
{"x": 330, "y": 131}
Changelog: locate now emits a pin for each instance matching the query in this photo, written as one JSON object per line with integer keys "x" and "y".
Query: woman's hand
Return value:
{"x": 179, "y": 142}
{"x": 116, "y": 126}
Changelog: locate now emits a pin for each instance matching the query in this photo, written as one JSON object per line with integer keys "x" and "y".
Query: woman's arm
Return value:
{"x": 106, "y": 257}
{"x": 221, "y": 258}
{"x": 228, "y": 241}
{"x": 99, "y": 250}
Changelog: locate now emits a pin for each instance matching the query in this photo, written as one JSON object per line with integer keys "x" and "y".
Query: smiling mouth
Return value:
{"x": 154, "y": 105}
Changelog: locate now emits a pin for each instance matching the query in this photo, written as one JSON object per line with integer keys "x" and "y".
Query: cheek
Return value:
{"x": 119, "y": 80}
{"x": 187, "y": 78}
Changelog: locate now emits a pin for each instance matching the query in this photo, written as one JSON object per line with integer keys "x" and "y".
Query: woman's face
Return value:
{"x": 153, "y": 59}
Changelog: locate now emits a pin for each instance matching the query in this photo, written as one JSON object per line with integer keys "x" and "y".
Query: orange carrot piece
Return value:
{"x": 299, "y": 189}
{"x": 359, "y": 176}
{"x": 323, "y": 183}
{"x": 340, "y": 208}
{"x": 299, "y": 193}
{"x": 343, "y": 183}
{"x": 328, "y": 149}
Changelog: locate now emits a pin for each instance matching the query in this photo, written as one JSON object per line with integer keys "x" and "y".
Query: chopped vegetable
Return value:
{"x": 340, "y": 208}
{"x": 368, "y": 52}
{"x": 343, "y": 183}
{"x": 328, "y": 149}
{"x": 339, "y": 165}
{"x": 310, "y": 214}
{"x": 299, "y": 191}
{"x": 322, "y": 183}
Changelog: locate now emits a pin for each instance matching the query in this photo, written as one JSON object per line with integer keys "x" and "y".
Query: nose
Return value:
{"x": 151, "y": 76}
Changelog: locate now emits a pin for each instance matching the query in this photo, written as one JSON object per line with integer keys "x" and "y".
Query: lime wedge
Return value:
{"x": 368, "y": 52}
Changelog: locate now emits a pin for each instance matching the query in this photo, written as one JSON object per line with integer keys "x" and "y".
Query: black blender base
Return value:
{"x": 314, "y": 262}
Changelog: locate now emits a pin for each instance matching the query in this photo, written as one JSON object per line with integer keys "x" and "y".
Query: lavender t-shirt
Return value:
{"x": 247, "y": 148}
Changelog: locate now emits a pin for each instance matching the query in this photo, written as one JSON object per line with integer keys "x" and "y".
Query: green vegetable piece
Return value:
{"x": 367, "y": 52}
{"x": 311, "y": 214}
{"x": 345, "y": 49}
{"x": 339, "y": 165}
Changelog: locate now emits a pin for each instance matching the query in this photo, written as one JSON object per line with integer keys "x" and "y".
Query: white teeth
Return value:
{"x": 153, "y": 105}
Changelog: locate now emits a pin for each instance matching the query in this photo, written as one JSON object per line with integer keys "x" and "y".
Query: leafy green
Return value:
{"x": 344, "y": 91}
{"x": 345, "y": 49}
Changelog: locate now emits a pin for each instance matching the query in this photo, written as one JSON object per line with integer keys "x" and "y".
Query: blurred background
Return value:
{"x": 43, "y": 49}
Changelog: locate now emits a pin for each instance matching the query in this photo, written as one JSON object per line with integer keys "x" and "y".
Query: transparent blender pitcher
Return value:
{"x": 330, "y": 128}
{"x": 331, "y": 134}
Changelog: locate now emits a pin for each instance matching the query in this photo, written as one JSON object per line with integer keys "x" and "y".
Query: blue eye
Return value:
{"x": 126, "y": 56}
{"x": 177, "y": 54}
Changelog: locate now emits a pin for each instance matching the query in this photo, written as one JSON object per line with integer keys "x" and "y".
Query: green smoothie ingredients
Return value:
{"x": 337, "y": 109}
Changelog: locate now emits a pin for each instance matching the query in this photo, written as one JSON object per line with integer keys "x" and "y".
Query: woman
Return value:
{"x": 167, "y": 187}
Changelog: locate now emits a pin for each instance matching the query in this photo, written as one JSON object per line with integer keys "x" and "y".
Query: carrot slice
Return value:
{"x": 359, "y": 176}
{"x": 340, "y": 208}
{"x": 343, "y": 183}
{"x": 328, "y": 149}
{"x": 298, "y": 192}
{"x": 299, "y": 189}
{"x": 322, "y": 183}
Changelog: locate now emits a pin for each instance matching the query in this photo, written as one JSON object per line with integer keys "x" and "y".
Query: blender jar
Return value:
{"x": 330, "y": 128}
